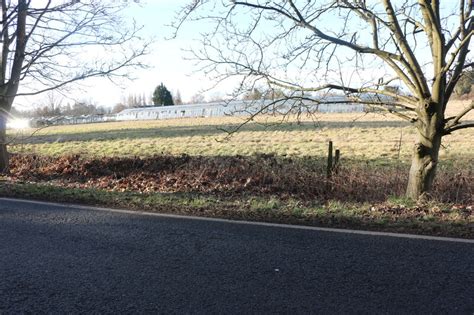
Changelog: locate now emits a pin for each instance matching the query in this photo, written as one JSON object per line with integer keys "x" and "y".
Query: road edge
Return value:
{"x": 244, "y": 222}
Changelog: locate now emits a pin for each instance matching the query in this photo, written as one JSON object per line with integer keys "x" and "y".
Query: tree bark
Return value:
{"x": 4, "y": 156}
{"x": 425, "y": 156}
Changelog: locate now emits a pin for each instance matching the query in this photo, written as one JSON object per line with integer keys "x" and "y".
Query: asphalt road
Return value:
{"x": 56, "y": 259}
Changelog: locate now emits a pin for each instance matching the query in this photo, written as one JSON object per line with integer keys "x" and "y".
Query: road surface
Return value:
{"x": 60, "y": 259}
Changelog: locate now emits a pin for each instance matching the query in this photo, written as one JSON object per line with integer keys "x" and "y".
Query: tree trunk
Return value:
{"x": 4, "y": 156}
{"x": 425, "y": 159}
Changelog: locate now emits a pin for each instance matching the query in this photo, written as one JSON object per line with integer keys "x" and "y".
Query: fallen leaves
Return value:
{"x": 232, "y": 175}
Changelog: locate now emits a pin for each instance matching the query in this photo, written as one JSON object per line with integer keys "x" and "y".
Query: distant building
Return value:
{"x": 236, "y": 108}
{"x": 338, "y": 104}
{"x": 70, "y": 120}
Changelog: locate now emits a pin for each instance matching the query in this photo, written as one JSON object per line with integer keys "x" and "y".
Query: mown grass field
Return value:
{"x": 358, "y": 136}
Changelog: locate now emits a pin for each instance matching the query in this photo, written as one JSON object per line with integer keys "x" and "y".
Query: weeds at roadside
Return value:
{"x": 260, "y": 175}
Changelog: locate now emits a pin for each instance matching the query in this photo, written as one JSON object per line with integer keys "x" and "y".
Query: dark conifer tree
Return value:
{"x": 162, "y": 96}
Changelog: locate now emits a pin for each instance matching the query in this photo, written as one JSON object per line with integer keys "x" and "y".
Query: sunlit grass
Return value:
{"x": 366, "y": 136}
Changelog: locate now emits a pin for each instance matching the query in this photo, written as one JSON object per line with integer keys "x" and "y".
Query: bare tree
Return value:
{"x": 177, "y": 98}
{"x": 51, "y": 106}
{"x": 118, "y": 108}
{"x": 356, "y": 47}
{"x": 197, "y": 98}
{"x": 43, "y": 45}
{"x": 254, "y": 94}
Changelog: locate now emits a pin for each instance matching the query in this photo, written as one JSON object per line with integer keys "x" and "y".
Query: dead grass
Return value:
{"x": 301, "y": 178}
{"x": 359, "y": 136}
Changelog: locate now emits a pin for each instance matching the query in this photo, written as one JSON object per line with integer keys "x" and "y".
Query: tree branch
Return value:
{"x": 412, "y": 63}
{"x": 458, "y": 127}
{"x": 453, "y": 121}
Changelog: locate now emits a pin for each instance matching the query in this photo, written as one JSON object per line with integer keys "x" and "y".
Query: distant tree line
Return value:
{"x": 51, "y": 110}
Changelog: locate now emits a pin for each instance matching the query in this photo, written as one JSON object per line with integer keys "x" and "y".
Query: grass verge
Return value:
{"x": 395, "y": 215}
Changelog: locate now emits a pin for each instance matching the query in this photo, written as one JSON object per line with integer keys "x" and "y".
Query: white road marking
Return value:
{"x": 266, "y": 224}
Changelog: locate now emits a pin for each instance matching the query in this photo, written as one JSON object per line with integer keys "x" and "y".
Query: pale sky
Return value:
{"x": 166, "y": 60}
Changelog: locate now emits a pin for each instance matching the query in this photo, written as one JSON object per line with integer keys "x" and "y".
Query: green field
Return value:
{"x": 359, "y": 136}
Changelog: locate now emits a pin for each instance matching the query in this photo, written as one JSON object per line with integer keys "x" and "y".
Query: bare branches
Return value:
{"x": 412, "y": 64}
{"x": 43, "y": 44}
{"x": 100, "y": 71}
{"x": 351, "y": 90}
{"x": 457, "y": 62}
{"x": 453, "y": 123}
{"x": 350, "y": 47}
{"x": 459, "y": 127}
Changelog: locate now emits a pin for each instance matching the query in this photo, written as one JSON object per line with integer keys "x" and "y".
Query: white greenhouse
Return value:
{"x": 236, "y": 108}
{"x": 339, "y": 104}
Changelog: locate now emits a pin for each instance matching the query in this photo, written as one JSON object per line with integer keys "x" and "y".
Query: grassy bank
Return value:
{"x": 260, "y": 187}
{"x": 395, "y": 215}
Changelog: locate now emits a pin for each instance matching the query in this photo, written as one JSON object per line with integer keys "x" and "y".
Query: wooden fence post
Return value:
{"x": 330, "y": 161}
